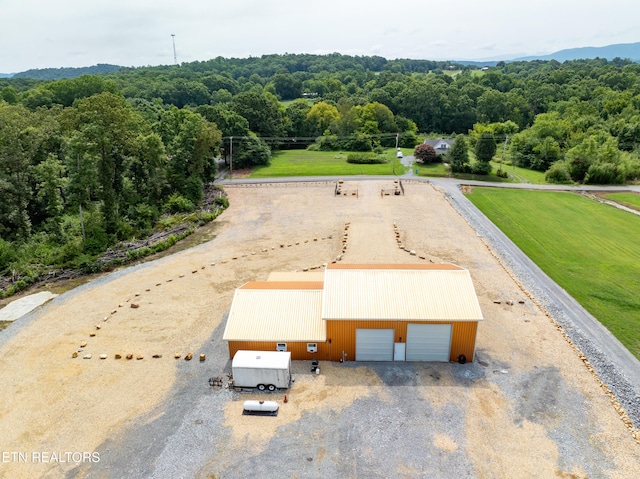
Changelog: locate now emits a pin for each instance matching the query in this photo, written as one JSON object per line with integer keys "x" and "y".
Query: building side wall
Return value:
{"x": 341, "y": 337}
{"x": 463, "y": 340}
{"x": 298, "y": 350}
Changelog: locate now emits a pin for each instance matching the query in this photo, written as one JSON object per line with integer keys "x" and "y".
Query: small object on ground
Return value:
{"x": 118, "y": 356}
{"x": 188, "y": 357}
{"x": 215, "y": 381}
{"x": 203, "y": 357}
{"x": 285, "y": 400}
{"x": 87, "y": 356}
{"x": 129, "y": 356}
{"x": 177, "y": 355}
{"x": 105, "y": 318}
{"x": 98, "y": 326}
{"x": 83, "y": 344}
{"x": 103, "y": 356}
{"x": 135, "y": 305}
{"x": 156, "y": 356}
{"x": 260, "y": 408}
{"x": 91, "y": 335}
{"x": 139, "y": 357}
{"x": 74, "y": 354}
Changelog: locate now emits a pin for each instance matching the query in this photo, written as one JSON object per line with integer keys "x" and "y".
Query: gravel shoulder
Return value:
{"x": 527, "y": 407}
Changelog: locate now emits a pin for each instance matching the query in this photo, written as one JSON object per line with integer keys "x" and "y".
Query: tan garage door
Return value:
{"x": 428, "y": 342}
{"x": 374, "y": 344}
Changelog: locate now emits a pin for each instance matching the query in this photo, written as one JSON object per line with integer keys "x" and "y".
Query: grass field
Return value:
{"x": 589, "y": 249}
{"x": 521, "y": 175}
{"x": 630, "y": 199}
{"x": 323, "y": 163}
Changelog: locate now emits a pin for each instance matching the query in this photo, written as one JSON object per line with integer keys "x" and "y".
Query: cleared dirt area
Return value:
{"x": 527, "y": 407}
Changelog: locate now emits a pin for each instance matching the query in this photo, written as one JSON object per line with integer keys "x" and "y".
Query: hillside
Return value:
{"x": 60, "y": 73}
{"x": 629, "y": 51}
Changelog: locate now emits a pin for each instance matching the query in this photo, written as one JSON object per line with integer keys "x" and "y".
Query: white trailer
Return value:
{"x": 265, "y": 370}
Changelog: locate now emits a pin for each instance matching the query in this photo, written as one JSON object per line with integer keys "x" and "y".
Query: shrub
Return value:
{"x": 481, "y": 168}
{"x": 7, "y": 254}
{"x": 558, "y": 173}
{"x": 222, "y": 201}
{"x": 366, "y": 159}
{"x": 605, "y": 174}
{"x": 425, "y": 153}
{"x": 179, "y": 204}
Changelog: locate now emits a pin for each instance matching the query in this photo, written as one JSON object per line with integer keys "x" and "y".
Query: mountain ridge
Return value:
{"x": 630, "y": 51}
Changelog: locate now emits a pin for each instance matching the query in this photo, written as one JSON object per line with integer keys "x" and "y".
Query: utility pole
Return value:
{"x": 231, "y": 157}
{"x": 395, "y": 153}
{"x": 175, "y": 58}
{"x": 504, "y": 148}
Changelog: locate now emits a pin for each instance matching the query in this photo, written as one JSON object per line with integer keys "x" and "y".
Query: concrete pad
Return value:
{"x": 18, "y": 308}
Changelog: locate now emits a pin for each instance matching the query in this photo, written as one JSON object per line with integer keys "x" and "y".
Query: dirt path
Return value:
{"x": 527, "y": 408}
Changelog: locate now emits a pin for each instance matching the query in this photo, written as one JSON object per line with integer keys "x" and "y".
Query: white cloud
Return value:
{"x": 39, "y": 34}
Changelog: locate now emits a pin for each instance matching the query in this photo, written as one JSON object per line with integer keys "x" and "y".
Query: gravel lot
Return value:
{"x": 527, "y": 407}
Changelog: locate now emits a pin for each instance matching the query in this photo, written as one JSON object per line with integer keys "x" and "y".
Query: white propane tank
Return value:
{"x": 261, "y": 406}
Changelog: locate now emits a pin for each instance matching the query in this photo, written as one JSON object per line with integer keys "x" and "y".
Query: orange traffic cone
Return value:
{"x": 285, "y": 398}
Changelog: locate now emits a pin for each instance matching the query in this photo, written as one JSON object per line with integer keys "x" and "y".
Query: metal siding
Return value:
{"x": 374, "y": 344}
{"x": 437, "y": 295}
{"x": 298, "y": 350}
{"x": 341, "y": 335}
{"x": 463, "y": 340}
{"x": 428, "y": 342}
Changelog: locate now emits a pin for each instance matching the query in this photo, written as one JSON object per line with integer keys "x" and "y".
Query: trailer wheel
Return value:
{"x": 271, "y": 387}
{"x": 261, "y": 387}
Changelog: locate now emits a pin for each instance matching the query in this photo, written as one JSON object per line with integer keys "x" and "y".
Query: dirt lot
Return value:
{"x": 527, "y": 407}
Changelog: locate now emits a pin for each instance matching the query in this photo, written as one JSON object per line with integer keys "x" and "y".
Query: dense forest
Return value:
{"x": 90, "y": 162}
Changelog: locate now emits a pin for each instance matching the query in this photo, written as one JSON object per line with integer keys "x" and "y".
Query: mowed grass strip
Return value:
{"x": 630, "y": 199}
{"x": 590, "y": 249}
{"x": 322, "y": 163}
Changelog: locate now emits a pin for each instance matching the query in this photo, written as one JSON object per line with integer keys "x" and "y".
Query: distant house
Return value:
{"x": 441, "y": 145}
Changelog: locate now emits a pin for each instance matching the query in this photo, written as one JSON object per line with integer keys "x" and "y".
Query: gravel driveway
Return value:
{"x": 526, "y": 407}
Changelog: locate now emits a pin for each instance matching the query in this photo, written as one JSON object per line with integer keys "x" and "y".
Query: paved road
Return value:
{"x": 615, "y": 365}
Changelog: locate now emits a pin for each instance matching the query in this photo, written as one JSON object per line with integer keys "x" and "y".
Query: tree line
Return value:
{"x": 90, "y": 161}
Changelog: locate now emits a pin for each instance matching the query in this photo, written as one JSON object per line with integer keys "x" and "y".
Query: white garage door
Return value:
{"x": 428, "y": 342}
{"x": 374, "y": 344}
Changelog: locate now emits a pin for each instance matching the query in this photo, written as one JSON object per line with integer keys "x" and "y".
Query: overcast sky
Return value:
{"x": 75, "y": 33}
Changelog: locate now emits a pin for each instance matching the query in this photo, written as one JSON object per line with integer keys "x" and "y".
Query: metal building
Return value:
{"x": 364, "y": 312}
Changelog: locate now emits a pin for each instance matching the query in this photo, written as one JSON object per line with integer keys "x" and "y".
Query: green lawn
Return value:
{"x": 323, "y": 163}
{"x": 522, "y": 175}
{"x": 631, "y": 199}
{"x": 431, "y": 169}
{"x": 590, "y": 249}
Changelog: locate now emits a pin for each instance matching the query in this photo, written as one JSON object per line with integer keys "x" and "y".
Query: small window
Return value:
{"x": 281, "y": 346}
{"x": 312, "y": 347}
